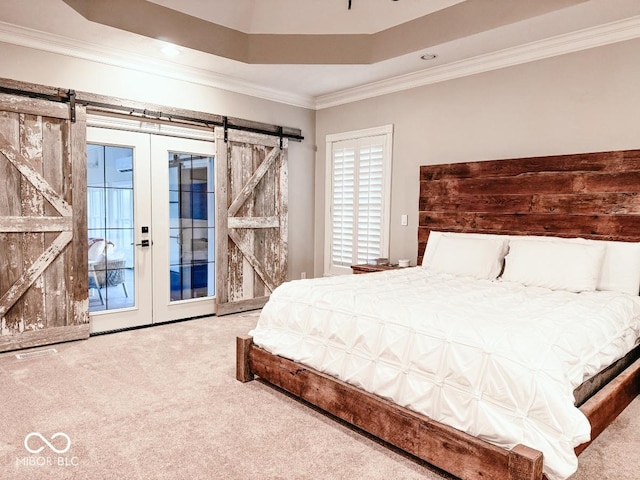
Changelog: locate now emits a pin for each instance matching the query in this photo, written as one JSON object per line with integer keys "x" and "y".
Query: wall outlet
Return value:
{"x": 303, "y": 275}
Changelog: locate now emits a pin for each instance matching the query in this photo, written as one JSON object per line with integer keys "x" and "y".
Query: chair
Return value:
{"x": 106, "y": 266}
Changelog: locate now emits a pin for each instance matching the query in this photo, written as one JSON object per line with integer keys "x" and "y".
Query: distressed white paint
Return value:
{"x": 29, "y": 276}
{"x": 37, "y": 180}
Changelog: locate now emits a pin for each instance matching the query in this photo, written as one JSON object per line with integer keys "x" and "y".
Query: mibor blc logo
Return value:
{"x": 28, "y": 443}
{"x": 47, "y": 451}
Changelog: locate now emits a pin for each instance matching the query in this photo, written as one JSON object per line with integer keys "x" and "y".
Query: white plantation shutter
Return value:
{"x": 358, "y": 199}
{"x": 370, "y": 202}
{"x": 343, "y": 205}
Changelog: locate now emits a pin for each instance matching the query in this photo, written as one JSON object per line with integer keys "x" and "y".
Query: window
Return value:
{"x": 191, "y": 226}
{"x": 110, "y": 226}
{"x": 357, "y": 201}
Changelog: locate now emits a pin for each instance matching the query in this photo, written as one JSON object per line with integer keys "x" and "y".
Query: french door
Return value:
{"x": 150, "y": 210}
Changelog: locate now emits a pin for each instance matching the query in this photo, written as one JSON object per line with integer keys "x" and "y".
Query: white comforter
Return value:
{"x": 495, "y": 359}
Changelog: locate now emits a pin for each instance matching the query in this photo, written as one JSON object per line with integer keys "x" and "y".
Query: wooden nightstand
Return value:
{"x": 366, "y": 268}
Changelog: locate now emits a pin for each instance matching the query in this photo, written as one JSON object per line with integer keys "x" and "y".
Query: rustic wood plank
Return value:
{"x": 221, "y": 204}
{"x": 243, "y": 371}
{"x": 75, "y": 193}
{"x": 33, "y": 106}
{"x": 623, "y": 160}
{"x": 522, "y": 184}
{"x": 244, "y": 305}
{"x": 33, "y": 272}
{"x": 247, "y": 190}
{"x": 525, "y": 463}
{"x": 17, "y": 224}
{"x": 628, "y": 181}
{"x": 610, "y": 401}
{"x": 603, "y": 227}
{"x": 241, "y": 281}
{"x": 282, "y": 212}
{"x": 260, "y": 138}
{"x": 34, "y": 88}
{"x": 31, "y": 149}
{"x": 57, "y": 306}
{"x": 255, "y": 263}
{"x": 251, "y": 138}
{"x": 24, "y": 167}
{"x": 454, "y": 451}
{"x": 537, "y": 183}
{"x": 606, "y": 203}
{"x": 45, "y": 336}
{"x": 262, "y": 203}
{"x": 11, "y": 264}
{"x": 253, "y": 222}
{"x": 494, "y": 203}
{"x": 10, "y": 204}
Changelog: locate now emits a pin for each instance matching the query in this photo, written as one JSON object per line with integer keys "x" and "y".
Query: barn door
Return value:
{"x": 43, "y": 242}
{"x": 251, "y": 219}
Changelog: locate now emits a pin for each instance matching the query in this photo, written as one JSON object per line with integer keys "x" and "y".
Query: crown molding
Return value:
{"x": 26, "y": 37}
{"x": 601, "y": 35}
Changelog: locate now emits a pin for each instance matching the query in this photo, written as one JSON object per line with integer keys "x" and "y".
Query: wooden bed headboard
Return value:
{"x": 590, "y": 195}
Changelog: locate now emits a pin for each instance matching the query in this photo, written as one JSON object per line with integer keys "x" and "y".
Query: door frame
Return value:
{"x": 151, "y": 307}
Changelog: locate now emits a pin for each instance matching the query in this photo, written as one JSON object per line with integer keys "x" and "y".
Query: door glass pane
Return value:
{"x": 110, "y": 226}
{"x": 191, "y": 226}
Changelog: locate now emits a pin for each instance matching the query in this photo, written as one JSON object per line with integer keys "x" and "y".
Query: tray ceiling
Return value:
{"x": 316, "y": 53}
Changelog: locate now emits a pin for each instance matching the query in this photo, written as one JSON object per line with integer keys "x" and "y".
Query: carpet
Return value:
{"x": 163, "y": 403}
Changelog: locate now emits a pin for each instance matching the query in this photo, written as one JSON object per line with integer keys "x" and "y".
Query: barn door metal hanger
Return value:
{"x": 349, "y": 7}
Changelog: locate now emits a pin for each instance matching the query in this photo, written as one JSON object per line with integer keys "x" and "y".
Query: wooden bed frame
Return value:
{"x": 594, "y": 195}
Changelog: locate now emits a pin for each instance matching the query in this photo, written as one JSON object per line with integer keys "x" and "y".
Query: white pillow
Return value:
{"x": 621, "y": 268}
{"x": 469, "y": 256}
{"x": 557, "y": 265}
{"x": 435, "y": 235}
{"x": 430, "y": 249}
{"x": 620, "y": 271}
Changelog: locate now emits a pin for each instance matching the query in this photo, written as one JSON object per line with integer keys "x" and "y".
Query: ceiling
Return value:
{"x": 316, "y": 53}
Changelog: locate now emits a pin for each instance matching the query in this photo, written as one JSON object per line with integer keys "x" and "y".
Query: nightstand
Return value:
{"x": 366, "y": 268}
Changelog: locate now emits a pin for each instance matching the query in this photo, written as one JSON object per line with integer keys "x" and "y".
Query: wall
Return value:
{"x": 583, "y": 102}
{"x": 29, "y": 65}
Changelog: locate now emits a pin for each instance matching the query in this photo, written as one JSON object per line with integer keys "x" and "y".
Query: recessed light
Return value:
{"x": 428, "y": 56}
{"x": 170, "y": 50}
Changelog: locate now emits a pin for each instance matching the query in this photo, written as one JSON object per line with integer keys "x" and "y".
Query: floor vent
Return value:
{"x": 39, "y": 353}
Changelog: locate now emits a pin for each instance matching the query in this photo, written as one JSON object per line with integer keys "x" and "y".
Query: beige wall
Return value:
{"x": 28, "y": 65}
{"x": 586, "y": 101}
{"x": 582, "y": 102}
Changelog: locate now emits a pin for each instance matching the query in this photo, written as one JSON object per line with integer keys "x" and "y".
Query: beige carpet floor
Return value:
{"x": 163, "y": 403}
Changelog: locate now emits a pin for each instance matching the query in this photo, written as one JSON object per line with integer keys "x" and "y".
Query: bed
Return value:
{"x": 510, "y": 203}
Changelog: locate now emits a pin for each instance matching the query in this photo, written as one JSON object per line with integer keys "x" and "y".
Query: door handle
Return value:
{"x": 144, "y": 243}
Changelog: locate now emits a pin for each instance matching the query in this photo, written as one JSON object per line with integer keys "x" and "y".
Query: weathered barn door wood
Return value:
{"x": 251, "y": 219}
{"x": 43, "y": 241}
